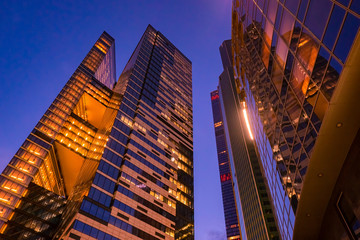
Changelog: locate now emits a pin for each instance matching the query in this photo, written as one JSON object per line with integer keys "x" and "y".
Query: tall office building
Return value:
{"x": 248, "y": 212}
{"x": 295, "y": 76}
{"x": 228, "y": 195}
{"x": 109, "y": 160}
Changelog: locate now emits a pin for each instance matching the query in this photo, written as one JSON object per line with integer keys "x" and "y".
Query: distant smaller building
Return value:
{"x": 247, "y": 206}
{"x": 227, "y": 190}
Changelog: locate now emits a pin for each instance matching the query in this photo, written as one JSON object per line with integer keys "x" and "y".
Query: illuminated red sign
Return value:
{"x": 214, "y": 97}
{"x": 225, "y": 177}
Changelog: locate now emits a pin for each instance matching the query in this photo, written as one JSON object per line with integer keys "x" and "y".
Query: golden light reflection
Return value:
{"x": 247, "y": 123}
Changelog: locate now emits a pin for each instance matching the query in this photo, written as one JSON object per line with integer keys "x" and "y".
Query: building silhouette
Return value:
{"x": 294, "y": 70}
{"x": 109, "y": 159}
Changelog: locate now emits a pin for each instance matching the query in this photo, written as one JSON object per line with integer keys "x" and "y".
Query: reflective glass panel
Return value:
{"x": 344, "y": 2}
{"x": 320, "y": 66}
{"x": 272, "y": 10}
{"x": 299, "y": 80}
{"x": 292, "y": 5}
{"x": 307, "y": 51}
{"x": 281, "y": 52}
{"x": 333, "y": 27}
{"x": 277, "y": 76}
{"x": 319, "y": 111}
{"x": 331, "y": 77}
{"x": 355, "y": 6}
{"x": 346, "y": 37}
{"x": 287, "y": 25}
{"x": 302, "y": 9}
{"x": 317, "y": 16}
{"x": 278, "y": 17}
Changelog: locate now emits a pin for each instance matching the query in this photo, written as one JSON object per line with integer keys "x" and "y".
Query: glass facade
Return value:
{"x": 120, "y": 154}
{"x": 288, "y": 58}
{"x": 255, "y": 213}
{"x": 36, "y": 216}
{"x": 229, "y": 202}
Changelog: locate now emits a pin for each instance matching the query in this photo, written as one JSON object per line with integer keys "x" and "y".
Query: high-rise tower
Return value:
{"x": 226, "y": 178}
{"x": 109, "y": 160}
{"x": 295, "y": 73}
{"x": 244, "y": 189}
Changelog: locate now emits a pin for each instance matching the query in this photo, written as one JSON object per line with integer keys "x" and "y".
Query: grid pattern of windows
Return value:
{"x": 228, "y": 195}
{"x": 147, "y": 164}
{"x": 292, "y": 53}
{"x": 35, "y": 161}
{"x": 121, "y": 153}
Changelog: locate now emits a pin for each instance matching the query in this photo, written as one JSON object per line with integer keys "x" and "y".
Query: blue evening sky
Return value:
{"x": 43, "y": 42}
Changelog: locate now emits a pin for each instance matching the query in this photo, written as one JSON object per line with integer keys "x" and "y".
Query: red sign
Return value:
{"x": 225, "y": 177}
{"x": 214, "y": 97}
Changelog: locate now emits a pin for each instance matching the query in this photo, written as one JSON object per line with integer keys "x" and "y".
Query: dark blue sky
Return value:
{"x": 43, "y": 42}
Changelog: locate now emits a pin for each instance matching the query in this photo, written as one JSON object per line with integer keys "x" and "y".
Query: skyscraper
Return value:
{"x": 295, "y": 76}
{"x": 228, "y": 192}
{"x": 109, "y": 160}
{"x": 240, "y": 171}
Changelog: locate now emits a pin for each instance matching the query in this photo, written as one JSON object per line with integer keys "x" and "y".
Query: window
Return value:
{"x": 355, "y": 6}
{"x": 333, "y": 26}
{"x": 292, "y": 5}
{"x": 302, "y": 9}
{"x": 287, "y": 24}
{"x": 272, "y": 10}
{"x": 331, "y": 77}
{"x": 348, "y": 216}
{"x": 317, "y": 16}
{"x": 347, "y": 36}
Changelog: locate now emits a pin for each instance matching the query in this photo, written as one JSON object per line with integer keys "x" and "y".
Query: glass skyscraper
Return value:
{"x": 229, "y": 202}
{"x": 295, "y": 77}
{"x": 241, "y": 176}
{"x": 109, "y": 160}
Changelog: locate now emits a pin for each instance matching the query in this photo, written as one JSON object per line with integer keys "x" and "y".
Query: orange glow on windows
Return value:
{"x": 218, "y": 124}
{"x": 247, "y": 124}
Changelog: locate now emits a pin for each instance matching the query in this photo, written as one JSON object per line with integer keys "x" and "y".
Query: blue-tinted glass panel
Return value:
{"x": 324, "y": 53}
{"x": 274, "y": 39}
{"x": 261, "y": 4}
{"x": 278, "y": 17}
{"x": 317, "y": 16}
{"x": 292, "y": 5}
{"x": 302, "y": 9}
{"x": 333, "y": 26}
{"x": 344, "y": 2}
{"x": 355, "y": 6}
{"x": 347, "y": 36}
{"x": 251, "y": 10}
{"x": 258, "y": 15}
